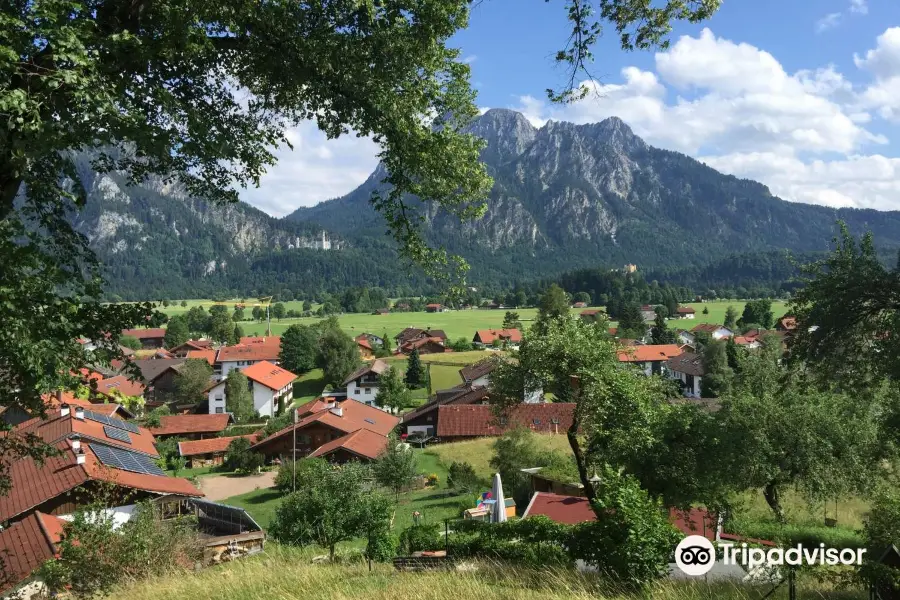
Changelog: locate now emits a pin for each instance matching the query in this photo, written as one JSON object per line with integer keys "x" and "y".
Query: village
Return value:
{"x": 124, "y": 430}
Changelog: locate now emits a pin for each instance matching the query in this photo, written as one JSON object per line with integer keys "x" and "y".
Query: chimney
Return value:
{"x": 79, "y": 413}
{"x": 338, "y": 410}
{"x": 64, "y": 410}
{"x": 76, "y": 442}
{"x": 80, "y": 457}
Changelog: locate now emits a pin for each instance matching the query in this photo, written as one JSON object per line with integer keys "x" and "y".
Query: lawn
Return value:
{"x": 478, "y": 452}
{"x": 261, "y": 504}
{"x": 717, "y": 312}
{"x": 308, "y": 386}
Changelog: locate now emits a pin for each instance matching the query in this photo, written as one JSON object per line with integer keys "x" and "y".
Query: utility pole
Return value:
{"x": 294, "y": 461}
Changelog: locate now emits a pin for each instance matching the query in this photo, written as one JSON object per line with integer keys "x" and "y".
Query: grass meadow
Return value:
{"x": 288, "y": 574}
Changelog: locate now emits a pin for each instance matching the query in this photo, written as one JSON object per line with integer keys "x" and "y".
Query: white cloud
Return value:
{"x": 829, "y": 21}
{"x": 883, "y": 61}
{"x": 470, "y": 59}
{"x": 859, "y": 7}
{"x": 317, "y": 169}
{"x": 734, "y": 105}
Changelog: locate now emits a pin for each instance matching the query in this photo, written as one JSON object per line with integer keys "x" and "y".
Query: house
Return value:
{"x": 150, "y": 338}
{"x": 479, "y": 374}
{"x": 689, "y": 369}
{"x": 413, "y": 333}
{"x": 363, "y": 445}
{"x": 508, "y": 338}
{"x": 92, "y": 451}
{"x": 376, "y": 341}
{"x": 381, "y": 311}
{"x": 591, "y": 314}
{"x": 580, "y": 305}
{"x": 362, "y": 384}
{"x": 190, "y": 345}
{"x": 366, "y": 351}
{"x": 249, "y": 351}
{"x": 429, "y": 345}
{"x": 648, "y": 312}
{"x": 208, "y": 452}
{"x": 685, "y": 337}
{"x": 572, "y": 510}
{"x": 327, "y": 420}
{"x": 433, "y": 308}
{"x": 749, "y": 342}
{"x": 104, "y": 407}
{"x": 716, "y": 332}
{"x": 192, "y": 427}
{"x": 157, "y": 377}
{"x": 271, "y": 387}
{"x": 650, "y": 358}
{"x": 24, "y": 547}
{"x": 207, "y": 355}
{"x": 424, "y": 420}
{"x": 457, "y": 422}
{"x": 786, "y": 323}
{"x": 685, "y": 312}
{"x": 122, "y": 385}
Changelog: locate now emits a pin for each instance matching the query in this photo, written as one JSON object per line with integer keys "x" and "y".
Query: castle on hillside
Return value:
{"x": 629, "y": 268}
{"x": 322, "y": 244}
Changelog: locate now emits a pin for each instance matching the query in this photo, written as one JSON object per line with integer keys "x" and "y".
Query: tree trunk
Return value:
{"x": 331, "y": 552}
{"x": 773, "y": 499}
{"x": 572, "y": 435}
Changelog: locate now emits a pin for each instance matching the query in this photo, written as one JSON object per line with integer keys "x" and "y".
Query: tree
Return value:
{"x": 631, "y": 323}
{"x": 238, "y": 315}
{"x": 660, "y": 332}
{"x": 415, "y": 372}
{"x": 332, "y": 504}
{"x": 758, "y": 311}
{"x": 392, "y": 391}
{"x": 258, "y": 313}
{"x": 386, "y": 346}
{"x": 397, "y": 467}
{"x": 521, "y": 299}
{"x": 192, "y": 380}
{"x": 338, "y": 356}
{"x": 705, "y": 310}
{"x": 221, "y": 328}
{"x": 299, "y": 349}
{"x": 582, "y": 297}
{"x": 131, "y": 342}
{"x": 278, "y": 310}
{"x": 240, "y": 458}
{"x": 238, "y": 400}
{"x": 554, "y": 304}
{"x": 153, "y": 417}
{"x": 307, "y": 305}
{"x": 184, "y": 303}
{"x": 177, "y": 332}
{"x": 718, "y": 375}
{"x": 515, "y": 450}
{"x": 198, "y": 320}
{"x": 730, "y": 318}
{"x": 511, "y": 320}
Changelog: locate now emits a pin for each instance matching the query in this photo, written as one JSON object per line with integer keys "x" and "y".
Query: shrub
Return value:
{"x": 381, "y": 546}
{"x": 420, "y": 537}
{"x": 462, "y": 477}
{"x": 792, "y": 534}
{"x": 432, "y": 479}
{"x": 461, "y": 345}
{"x": 532, "y": 542}
{"x": 239, "y": 457}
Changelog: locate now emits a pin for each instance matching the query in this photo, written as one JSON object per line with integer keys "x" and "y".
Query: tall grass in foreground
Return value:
{"x": 285, "y": 574}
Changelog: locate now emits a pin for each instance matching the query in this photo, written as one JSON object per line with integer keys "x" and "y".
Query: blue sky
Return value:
{"x": 802, "y": 95}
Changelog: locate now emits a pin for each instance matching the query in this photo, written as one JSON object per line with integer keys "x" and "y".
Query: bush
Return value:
{"x": 419, "y": 538}
{"x": 381, "y": 546}
{"x": 431, "y": 480}
{"x": 461, "y": 345}
{"x": 532, "y": 542}
{"x": 462, "y": 477}
{"x": 239, "y": 457}
{"x": 792, "y": 534}
{"x": 284, "y": 479}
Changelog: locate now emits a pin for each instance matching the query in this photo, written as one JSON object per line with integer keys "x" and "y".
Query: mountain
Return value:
{"x": 567, "y": 196}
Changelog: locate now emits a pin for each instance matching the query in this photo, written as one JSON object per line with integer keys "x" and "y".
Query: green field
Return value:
{"x": 717, "y": 312}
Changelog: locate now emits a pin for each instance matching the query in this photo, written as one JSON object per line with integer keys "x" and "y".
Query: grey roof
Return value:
{"x": 687, "y": 362}
{"x": 479, "y": 369}
{"x": 151, "y": 368}
{"x": 377, "y": 366}
{"x": 466, "y": 395}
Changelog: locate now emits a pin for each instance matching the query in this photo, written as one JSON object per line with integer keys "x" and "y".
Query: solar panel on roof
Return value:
{"x": 372, "y": 421}
{"x": 116, "y": 434}
{"x": 126, "y": 460}
{"x": 93, "y": 416}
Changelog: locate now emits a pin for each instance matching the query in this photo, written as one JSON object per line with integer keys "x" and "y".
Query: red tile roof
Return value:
{"x": 476, "y": 420}
{"x": 434, "y": 305}
{"x": 579, "y": 305}
{"x": 187, "y": 424}
{"x": 649, "y": 352}
{"x": 418, "y": 343}
{"x": 570, "y": 510}
{"x": 362, "y": 443}
{"x": 33, "y": 483}
{"x": 56, "y": 427}
{"x": 25, "y": 546}
{"x": 684, "y": 310}
{"x": 487, "y": 336}
{"x": 250, "y": 348}
{"x": 590, "y": 312}
{"x": 355, "y": 415}
{"x": 192, "y": 345}
{"x": 708, "y": 327}
{"x": 271, "y": 376}
{"x": 787, "y": 323}
{"x": 210, "y": 446}
{"x": 154, "y": 332}
{"x": 121, "y": 383}
{"x": 613, "y": 330}
{"x": 207, "y": 355}
{"x": 363, "y": 342}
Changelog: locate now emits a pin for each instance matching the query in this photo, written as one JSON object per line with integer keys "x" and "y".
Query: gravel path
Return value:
{"x": 219, "y": 487}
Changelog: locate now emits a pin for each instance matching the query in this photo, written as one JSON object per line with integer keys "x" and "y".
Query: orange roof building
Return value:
{"x": 271, "y": 386}
{"x": 486, "y": 337}
{"x": 192, "y": 426}
{"x": 24, "y": 547}
{"x": 649, "y": 357}
{"x": 211, "y": 451}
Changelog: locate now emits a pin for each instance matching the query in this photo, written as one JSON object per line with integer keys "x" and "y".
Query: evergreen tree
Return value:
{"x": 717, "y": 380}
{"x": 511, "y": 320}
{"x": 660, "y": 332}
{"x": 177, "y": 332}
{"x": 415, "y": 373}
{"x": 386, "y": 346}
{"x": 238, "y": 400}
{"x": 631, "y": 322}
{"x": 730, "y": 318}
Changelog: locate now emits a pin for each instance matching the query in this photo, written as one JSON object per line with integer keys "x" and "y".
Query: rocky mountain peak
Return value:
{"x": 507, "y": 133}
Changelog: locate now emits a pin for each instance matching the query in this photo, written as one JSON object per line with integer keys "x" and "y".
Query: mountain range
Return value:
{"x": 565, "y": 196}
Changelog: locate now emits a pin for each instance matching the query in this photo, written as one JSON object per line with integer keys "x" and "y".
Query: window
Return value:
{"x": 219, "y": 410}
{"x": 368, "y": 390}
{"x": 536, "y": 421}
{"x": 220, "y": 399}
{"x": 503, "y": 420}
{"x": 555, "y": 421}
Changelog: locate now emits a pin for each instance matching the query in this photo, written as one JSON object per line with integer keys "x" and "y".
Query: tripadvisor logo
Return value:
{"x": 695, "y": 555}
